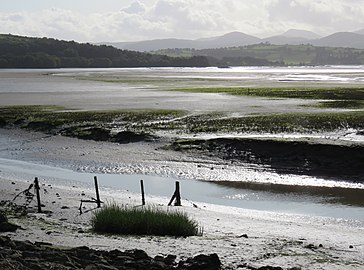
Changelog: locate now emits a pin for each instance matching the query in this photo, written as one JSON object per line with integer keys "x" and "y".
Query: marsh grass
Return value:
{"x": 325, "y": 93}
{"x": 73, "y": 123}
{"x": 339, "y": 104}
{"x": 277, "y": 123}
{"x": 124, "y": 220}
{"x": 139, "y": 125}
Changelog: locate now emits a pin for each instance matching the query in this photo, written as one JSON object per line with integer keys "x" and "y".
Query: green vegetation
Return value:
{"x": 276, "y": 123}
{"x": 26, "y": 52}
{"x": 136, "y": 125}
{"x": 337, "y": 97}
{"x": 326, "y": 93}
{"x": 340, "y": 104}
{"x": 268, "y": 54}
{"x": 125, "y": 220}
{"x": 117, "y": 126}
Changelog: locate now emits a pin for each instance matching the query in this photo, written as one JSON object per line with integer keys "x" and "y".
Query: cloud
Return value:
{"x": 149, "y": 19}
{"x": 135, "y": 8}
{"x": 321, "y": 15}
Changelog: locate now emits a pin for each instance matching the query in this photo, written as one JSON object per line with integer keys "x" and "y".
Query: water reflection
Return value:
{"x": 339, "y": 203}
{"x": 328, "y": 195}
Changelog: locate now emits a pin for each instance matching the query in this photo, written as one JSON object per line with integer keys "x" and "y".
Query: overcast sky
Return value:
{"x": 130, "y": 20}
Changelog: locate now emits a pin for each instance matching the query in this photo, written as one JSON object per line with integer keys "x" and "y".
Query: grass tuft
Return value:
{"x": 115, "y": 219}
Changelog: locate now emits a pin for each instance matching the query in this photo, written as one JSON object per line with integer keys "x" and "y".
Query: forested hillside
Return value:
{"x": 268, "y": 54}
{"x": 26, "y": 52}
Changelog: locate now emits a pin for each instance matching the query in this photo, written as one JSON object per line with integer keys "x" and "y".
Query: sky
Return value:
{"x": 133, "y": 20}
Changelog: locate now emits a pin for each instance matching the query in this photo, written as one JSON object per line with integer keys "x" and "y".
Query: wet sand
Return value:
{"x": 238, "y": 236}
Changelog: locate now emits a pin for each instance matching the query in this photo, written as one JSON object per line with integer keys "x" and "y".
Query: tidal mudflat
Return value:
{"x": 120, "y": 123}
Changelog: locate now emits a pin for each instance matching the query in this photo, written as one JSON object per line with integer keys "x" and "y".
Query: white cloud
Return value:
{"x": 150, "y": 19}
{"x": 321, "y": 15}
{"x": 135, "y": 7}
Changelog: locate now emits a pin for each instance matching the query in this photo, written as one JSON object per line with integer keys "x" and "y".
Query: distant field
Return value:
{"x": 303, "y": 54}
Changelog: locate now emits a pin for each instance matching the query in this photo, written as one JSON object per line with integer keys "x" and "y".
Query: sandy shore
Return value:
{"x": 239, "y": 236}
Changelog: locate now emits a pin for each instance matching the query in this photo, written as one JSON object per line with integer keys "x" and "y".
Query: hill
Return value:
{"x": 292, "y": 37}
{"x": 341, "y": 39}
{"x": 264, "y": 54}
{"x": 236, "y": 39}
{"x": 27, "y": 52}
{"x": 360, "y": 32}
{"x": 228, "y": 40}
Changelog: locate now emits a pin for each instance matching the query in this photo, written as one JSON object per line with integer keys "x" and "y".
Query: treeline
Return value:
{"x": 27, "y": 52}
{"x": 265, "y": 54}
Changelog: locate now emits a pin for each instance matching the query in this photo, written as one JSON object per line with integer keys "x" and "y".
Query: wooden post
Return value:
{"x": 142, "y": 188}
{"x": 36, "y": 186}
{"x": 176, "y": 195}
{"x": 97, "y": 193}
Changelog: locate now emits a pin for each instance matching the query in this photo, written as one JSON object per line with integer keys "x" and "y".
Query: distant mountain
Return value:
{"x": 227, "y": 40}
{"x": 292, "y": 37}
{"x": 361, "y": 32}
{"x": 232, "y": 39}
{"x": 236, "y": 39}
{"x": 297, "y": 33}
{"x": 152, "y": 45}
{"x": 341, "y": 39}
{"x": 283, "y": 40}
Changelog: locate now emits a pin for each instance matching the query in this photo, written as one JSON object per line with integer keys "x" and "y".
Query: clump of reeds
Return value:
{"x": 115, "y": 219}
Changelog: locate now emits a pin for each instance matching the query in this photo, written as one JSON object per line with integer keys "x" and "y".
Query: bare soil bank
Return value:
{"x": 294, "y": 157}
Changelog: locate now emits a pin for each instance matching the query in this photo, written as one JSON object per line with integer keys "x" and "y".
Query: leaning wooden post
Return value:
{"x": 97, "y": 193}
{"x": 142, "y": 188}
{"x": 36, "y": 186}
{"x": 178, "y": 195}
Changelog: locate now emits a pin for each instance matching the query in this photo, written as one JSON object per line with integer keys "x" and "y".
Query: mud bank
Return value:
{"x": 284, "y": 156}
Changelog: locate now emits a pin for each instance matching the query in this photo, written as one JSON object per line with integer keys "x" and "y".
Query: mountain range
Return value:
{"x": 236, "y": 39}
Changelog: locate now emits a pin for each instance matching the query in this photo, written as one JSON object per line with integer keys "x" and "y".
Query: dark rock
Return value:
{"x": 351, "y": 246}
{"x": 8, "y": 227}
{"x": 207, "y": 262}
{"x": 140, "y": 254}
{"x": 3, "y": 218}
{"x": 243, "y": 236}
{"x": 311, "y": 246}
{"x": 270, "y": 268}
{"x": 44, "y": 256}
{"x": 65, "y": 207}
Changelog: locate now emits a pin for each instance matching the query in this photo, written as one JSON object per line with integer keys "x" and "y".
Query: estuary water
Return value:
{"x": 137, "y": 88}
{"x": 343, "y": 205}
{"x": 148, "y": 88}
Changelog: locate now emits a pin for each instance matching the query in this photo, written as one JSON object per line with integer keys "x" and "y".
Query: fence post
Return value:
{"x": 142, "y": 189}
{"x": 97, "y": 193}
{"x": 176, "y": 195}
{"x": 36, "y": 186}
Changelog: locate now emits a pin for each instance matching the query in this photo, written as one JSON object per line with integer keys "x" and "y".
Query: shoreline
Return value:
{"x": 277, "y": 239}
{"x": 230, "y": 232}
